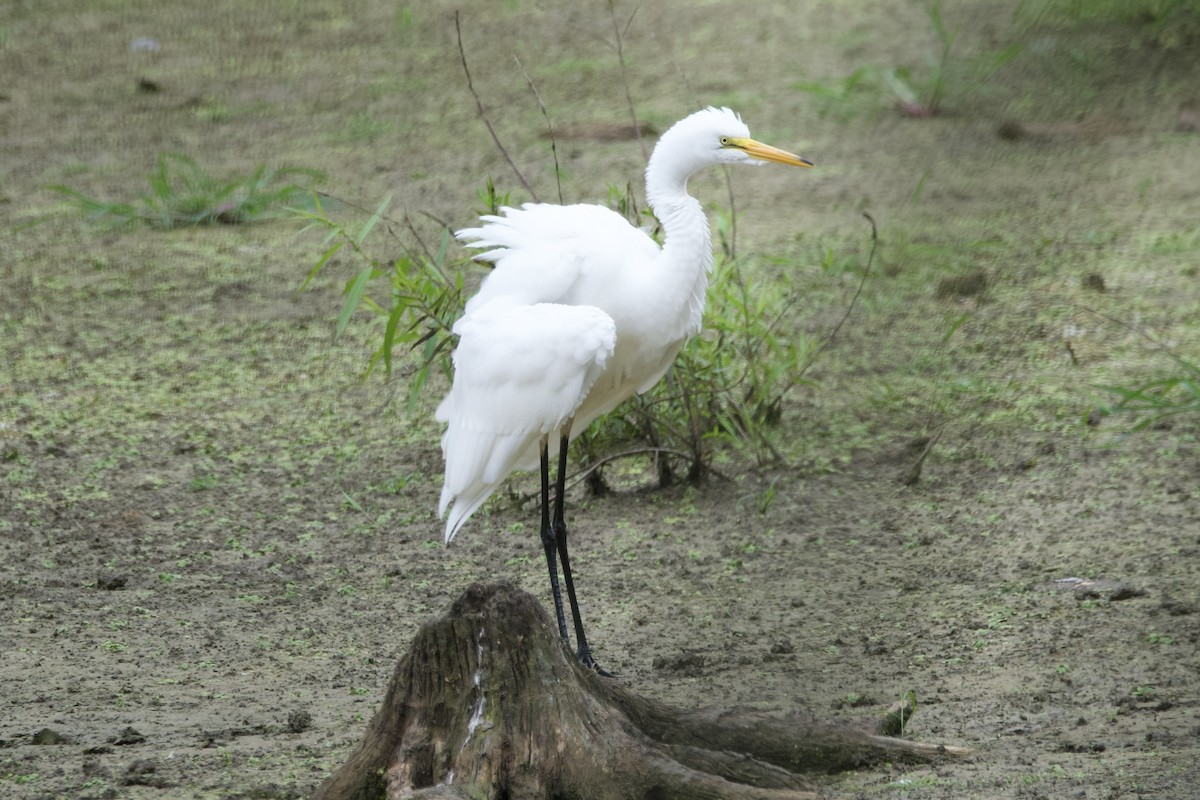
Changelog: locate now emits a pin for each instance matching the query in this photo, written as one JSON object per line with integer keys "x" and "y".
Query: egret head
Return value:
{"x": 709, "y": 137}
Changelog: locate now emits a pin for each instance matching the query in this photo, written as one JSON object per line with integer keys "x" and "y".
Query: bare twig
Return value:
{"x": 413, "y": 230}
{"x": 1157, "y": 345}
{"x": 732, "y": 212}
{"x": 866, "y": 271}
{"x": 637, "y": 128}
{"x": 369, "y": 212}
{"x": 913, "y": 475}
{"x": 575, "y": 479}
{"x": 853, "y": 301}
{"x": 441, "y": 223}
{"x": 724, "y": 169}
{"x": 638, "y": 451}
{"x": 1071, "y": 353}
{"x": 406, "y": 222}
{"x": 549, "y": 128}
{"x": 483, "y": 114}
{"x": 389, "y": 221}
{"x": 629, "y": 22}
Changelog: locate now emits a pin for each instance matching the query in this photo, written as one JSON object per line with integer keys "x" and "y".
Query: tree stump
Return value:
{"x": 488, "y": 703}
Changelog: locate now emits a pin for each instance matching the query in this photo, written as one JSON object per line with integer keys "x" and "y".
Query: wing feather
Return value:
{"x": 520, "y": 373}
{"x": 544, "y": 253}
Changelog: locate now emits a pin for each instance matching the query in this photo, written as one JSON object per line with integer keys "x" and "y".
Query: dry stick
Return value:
{"x": 612, "y": 10}
{"x": 629, "y": 22}
{"x": 429, "y": 257}
{"x": 732, "y": 212}
{"x": 406, "y": 221}
{"x": 1157, "y": 345}
{"x": 574, "y": 480}
{"x": 1071, "y": 353}
{"x": 853, "y": 300}
{"x": 724, "y": 169}
{"x": 483, "y": 114}
{"x": 369, "y": 213}
{"x": 637, "y": 451}
{"x": 424, "y": 247}
{"x": 913, "y": 476}
{"x": 441, "y": 223}
{"x": 549, "y": 128}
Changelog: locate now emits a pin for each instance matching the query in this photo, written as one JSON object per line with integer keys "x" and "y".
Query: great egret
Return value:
{"x": 581, "y": 311}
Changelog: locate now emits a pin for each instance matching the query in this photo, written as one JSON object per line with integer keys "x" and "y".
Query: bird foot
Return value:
{"x": 587, "y": 662}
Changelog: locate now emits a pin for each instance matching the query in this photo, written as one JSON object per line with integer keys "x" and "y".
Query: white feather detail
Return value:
{"x": 521, "y": 372}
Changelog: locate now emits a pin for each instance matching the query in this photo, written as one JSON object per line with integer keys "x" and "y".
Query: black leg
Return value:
{"x": 559, "y": 526}
{"x": 548, "y": 537}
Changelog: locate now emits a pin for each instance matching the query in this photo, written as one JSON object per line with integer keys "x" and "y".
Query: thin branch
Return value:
{"x": 913, "y": 475}
{"x": 612, "y": 10}
{"x": 629, "y": 22}
{"x": 388, "y": 220}
{"x": 441, "y": 223}
{"x": 1157, "y": 345}
{"x": 724, "y": 169}
{"x": 862, "y": 282}
{"x": 483, "y": 114}
{"x": 413, "y": 230}
{"x": 406, "y": 222}
{"x": 638, "y": 451}
{"x": 854, "y": 300}
{"x": 732, "y": 212}
{"x": 369, "y": 212}
{"x": 429, "y": 257}
{"x": 549, "y": 128}
{"x": 574, "y": 480}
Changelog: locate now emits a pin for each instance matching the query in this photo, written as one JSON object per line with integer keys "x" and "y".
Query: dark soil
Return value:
{"x": 216, "y": 540}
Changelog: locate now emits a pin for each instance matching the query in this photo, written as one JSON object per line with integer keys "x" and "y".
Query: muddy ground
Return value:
{"x": 217, "y": 540}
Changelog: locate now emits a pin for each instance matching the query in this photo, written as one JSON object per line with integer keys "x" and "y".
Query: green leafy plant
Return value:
{"x": 843, "y": 98}
{"x": 417, "y": 295}
{"x": 924, "y": 99}
{"x": 490, "y": 200}
{"x": 729, "y": 383}
{"x": 1157, "y": 401}
{"x": 726, "y": 387}
{"x": 182, "y": 194}
{"x": 624, "y": 201}
{"x": 901, "y": 713}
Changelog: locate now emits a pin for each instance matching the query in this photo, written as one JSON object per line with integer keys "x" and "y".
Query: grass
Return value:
{"x": 1156, "y": 403}
{"x": 182, "y": 194}
{"x": 1157, "y": 13}
{"x": 1162, "y": 25}
{"x": 363, "y": 128}
{"x": 914, "y": 92}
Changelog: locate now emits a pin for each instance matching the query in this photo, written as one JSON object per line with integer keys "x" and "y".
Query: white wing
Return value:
{"x": 555, "y": 254}
{"x": 520, "y": 373}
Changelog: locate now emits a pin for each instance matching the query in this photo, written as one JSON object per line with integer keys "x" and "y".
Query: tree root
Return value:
{"x": 489, "y": 703}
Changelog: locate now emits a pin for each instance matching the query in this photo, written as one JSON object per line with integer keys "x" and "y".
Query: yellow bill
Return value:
{"x": 765, "y": 152}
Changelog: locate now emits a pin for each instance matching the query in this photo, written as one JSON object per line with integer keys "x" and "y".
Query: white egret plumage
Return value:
{"x": 581, "y": 311}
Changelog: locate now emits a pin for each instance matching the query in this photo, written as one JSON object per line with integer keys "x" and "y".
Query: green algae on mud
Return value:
{"x": 211, "y": 527}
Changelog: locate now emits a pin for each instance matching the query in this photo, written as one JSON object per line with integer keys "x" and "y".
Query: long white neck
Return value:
{"x": 683, "y": 265}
